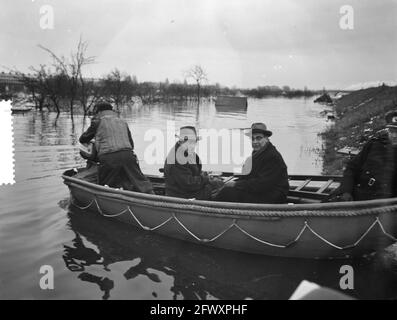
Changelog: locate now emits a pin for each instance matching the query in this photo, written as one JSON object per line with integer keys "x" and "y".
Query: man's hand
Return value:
{"x": 346, "y": 197}
{"x": 216, "y": 181}
{"x": 215, "y": 192}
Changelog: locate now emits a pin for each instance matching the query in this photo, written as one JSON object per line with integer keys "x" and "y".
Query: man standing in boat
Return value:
{"x": 265, "y": 177}
{"x": 183, "y": 173}
{"x": 118, "y": 164}
{"x": 372, "y": 174}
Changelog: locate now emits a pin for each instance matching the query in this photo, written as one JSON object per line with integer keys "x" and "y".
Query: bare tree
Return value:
{"x": 72, "y": 69}
{"x": 147, "y": 91}
{"x": 197, "y": 74}
{"x": 113, "y": 87}
{"x": 33, "y": 83}
{"x": 119, "y": 87}
{"x": 90, "y": 93}
{"x": 44, "y": 85}
{"x": 54, "y": 85}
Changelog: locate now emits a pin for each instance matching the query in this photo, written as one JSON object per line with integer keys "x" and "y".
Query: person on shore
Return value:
{"x": 265, "y": 177}
{"x": 183, "y": 173}
{"x": 118, "y": 164}
{"x": 372, "y": 174}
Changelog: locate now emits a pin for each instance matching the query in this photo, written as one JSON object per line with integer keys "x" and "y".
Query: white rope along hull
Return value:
{"x": 289, "y": 231}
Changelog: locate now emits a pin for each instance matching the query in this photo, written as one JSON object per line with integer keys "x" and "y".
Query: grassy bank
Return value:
{"x": 360, "y": 115}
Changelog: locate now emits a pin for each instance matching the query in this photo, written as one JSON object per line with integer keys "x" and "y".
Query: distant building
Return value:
{"x": 11, "y": 82}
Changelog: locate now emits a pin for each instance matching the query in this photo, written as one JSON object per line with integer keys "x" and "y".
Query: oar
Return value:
{"x": 228, "y": 179}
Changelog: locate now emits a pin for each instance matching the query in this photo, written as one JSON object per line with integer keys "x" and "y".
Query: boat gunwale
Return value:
{"x": 178, "y": 208}
{"x": 334, "y": 209}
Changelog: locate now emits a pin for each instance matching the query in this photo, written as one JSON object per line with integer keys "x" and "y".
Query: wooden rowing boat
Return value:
{"x": 304, "y": 228}
{"x": 22, "y": 105}
{"x": 231, "y": 104}
{"x": 21, "y": 109}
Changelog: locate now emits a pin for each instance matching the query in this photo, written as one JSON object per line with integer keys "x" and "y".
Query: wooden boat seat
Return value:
{"x": 303, "y": 188}
{"x": 310, "y": 189}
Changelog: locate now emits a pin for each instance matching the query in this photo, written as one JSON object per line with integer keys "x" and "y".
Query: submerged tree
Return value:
{"x": 34, "y": 83}
{"x": 71, "y": 69}
{"x": 49, "y": 86}
{"x": 90, "y": 93}
{"x": 114, "y": 87}
{"x": 197, "y": 74}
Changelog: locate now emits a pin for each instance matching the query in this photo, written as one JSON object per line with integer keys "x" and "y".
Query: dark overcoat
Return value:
{"x": 185, "y": 180}
{"x": 372, "y": 174}
{"x": 266, "y": 182}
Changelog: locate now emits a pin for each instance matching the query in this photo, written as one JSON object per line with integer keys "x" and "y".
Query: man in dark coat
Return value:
{"x": 118, "y": 164}
{"x": 372, "y": 174}
{"x": 265, "y": 178}
{"x": 183, "y": 173}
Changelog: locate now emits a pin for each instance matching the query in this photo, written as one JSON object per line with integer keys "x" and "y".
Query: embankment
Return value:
{"x": 360, "y": 115}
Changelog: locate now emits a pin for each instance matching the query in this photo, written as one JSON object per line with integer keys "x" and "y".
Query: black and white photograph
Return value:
{"x": 214, "y": 151}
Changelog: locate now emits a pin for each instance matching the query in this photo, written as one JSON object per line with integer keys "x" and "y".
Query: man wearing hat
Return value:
{"x": 183, "y": 173}
{"x": 265, "y": 177}
{"x": 118, "y": 164}
{"x": 372, "y": 174}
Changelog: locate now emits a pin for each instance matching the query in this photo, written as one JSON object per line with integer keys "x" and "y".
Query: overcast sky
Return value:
{"x": 246, "y": 43}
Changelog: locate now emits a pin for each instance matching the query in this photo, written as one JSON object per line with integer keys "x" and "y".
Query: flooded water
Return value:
{"x": 95, "y": 258}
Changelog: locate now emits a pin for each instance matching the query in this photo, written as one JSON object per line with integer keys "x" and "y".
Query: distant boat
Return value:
{"x": 23, "y": 105}
{"x": 231, "y": 104}
{"x": 324, "y": 98}
{"x": 349, "y": 151}
{"x": 21, "y": 109}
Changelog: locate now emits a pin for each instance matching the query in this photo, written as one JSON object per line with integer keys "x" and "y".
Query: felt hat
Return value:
{"x": 102, "y": 106}
{"x": 259, "y": 127}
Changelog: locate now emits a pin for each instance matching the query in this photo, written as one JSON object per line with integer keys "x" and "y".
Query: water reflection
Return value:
{"x": 105, "y": 284}
{"x": 225, "y": 111}
{"x": 200, "y": 272}
{"x": 77, "y": 257}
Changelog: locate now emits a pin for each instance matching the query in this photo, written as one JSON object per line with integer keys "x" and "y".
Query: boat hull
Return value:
{"x": 231, "y": 104}
{"x": 21, "y": 109}
{"x": 303, "y": 231}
